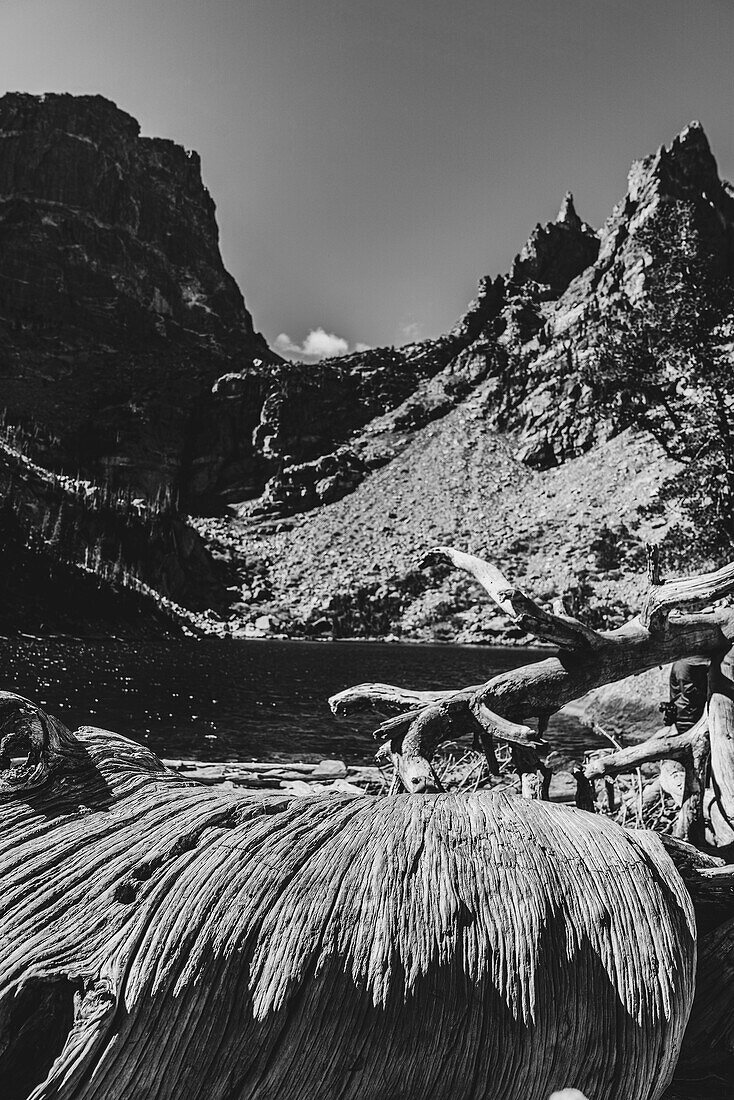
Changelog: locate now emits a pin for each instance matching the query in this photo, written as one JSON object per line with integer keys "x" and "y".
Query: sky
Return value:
{"x": 371, "y": 160}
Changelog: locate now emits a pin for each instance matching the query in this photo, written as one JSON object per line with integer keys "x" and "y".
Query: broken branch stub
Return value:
{"x": 691, "y": 749}
{"x": 562, "y": 630}
{"x": 689, "y": 593}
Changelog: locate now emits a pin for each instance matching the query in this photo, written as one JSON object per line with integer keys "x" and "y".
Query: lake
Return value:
{"x": 214, "y": 699}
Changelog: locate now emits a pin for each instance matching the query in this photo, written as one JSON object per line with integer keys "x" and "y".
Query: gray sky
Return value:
{"x": 371, "y": 159}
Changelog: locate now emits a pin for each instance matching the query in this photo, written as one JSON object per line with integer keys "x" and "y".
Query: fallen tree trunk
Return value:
{"x": 161, "y": 938}
{"x": 679, "y": 618}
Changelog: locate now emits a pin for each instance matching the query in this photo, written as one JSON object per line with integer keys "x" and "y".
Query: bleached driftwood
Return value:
{"x": 164, "y": 939}
{"x": 690, "y": 749}
{"x": 269, "y": 774}
{"x": 679, "y": 618}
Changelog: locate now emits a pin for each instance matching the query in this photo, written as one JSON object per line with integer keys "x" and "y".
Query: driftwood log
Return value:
{"x": 163, "y": 939}
{"x": 679, "y": 618}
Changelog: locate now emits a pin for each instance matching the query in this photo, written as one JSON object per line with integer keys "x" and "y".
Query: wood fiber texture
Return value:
{"x": 165, "y": 940}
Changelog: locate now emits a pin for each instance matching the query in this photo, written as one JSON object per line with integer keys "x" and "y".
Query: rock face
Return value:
{"x": 503, "y": 447}
{"x": 116, "y": 312}
{"x": 261, "y": 422}
{"x": 534, "y": 333}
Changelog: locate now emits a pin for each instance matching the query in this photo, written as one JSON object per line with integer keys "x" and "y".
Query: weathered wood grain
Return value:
{"x": 167, "y": 940}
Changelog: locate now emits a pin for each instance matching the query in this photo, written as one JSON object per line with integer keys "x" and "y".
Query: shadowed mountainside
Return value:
{"x": 116, "y": 312}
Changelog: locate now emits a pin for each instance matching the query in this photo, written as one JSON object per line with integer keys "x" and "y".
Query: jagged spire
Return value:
{"x": 694, "y": 131}
{"x": 684, "y": 169}
{"x": 567, "y": 214}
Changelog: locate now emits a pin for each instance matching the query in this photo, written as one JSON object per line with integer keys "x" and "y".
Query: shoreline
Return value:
{"x": 538, "y": 647}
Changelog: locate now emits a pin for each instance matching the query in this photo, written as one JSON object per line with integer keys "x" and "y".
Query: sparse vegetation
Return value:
{"x": 666, "y": 366}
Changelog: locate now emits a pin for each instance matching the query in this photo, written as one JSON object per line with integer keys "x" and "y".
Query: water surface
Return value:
{"x": 215, "y": 699}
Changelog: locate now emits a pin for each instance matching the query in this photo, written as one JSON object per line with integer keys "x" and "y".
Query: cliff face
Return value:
{"x": 116, "y": 312}
{"x": 277, "y": 433}
{"x": 676, "y": 210}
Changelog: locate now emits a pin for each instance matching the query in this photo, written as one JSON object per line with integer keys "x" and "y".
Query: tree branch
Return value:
{"x": 668, "y": 744}
{"x": 383, "y": 699}
{"x": 561, "y": 630}
{"x": 588, "y": 658}
{"x": 692, "y": 593}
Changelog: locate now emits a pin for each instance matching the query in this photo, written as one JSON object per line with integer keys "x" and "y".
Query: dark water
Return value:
{"x": 237, "y": 700}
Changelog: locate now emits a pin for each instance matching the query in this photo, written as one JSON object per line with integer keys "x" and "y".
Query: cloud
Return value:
{"x": 411, "y": 330}
{"x": 324, "y": 345}
{"x": 319, "y": 344}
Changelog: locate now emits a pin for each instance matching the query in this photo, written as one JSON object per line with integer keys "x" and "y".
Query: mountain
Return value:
{"x": 116, "y": 312}
{"x": 126, "y": 348}
{"x": 536, "y": 330}
{"x": 515, "y": 442}
{"x": 580, "y": 407}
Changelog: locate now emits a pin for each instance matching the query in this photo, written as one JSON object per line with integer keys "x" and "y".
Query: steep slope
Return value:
{"x": 350, "y": 569}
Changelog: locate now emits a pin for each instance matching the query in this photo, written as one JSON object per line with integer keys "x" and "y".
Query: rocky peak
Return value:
{"x": 568, "y": 217}
{"x": 676, "y": 211}
{"x": 686, "y": 169}
{"x": 557, "y": 252}
{"x": 116, "y": 311}
{"x": 679, "y": 183}
{"x": 481, "y": 311}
